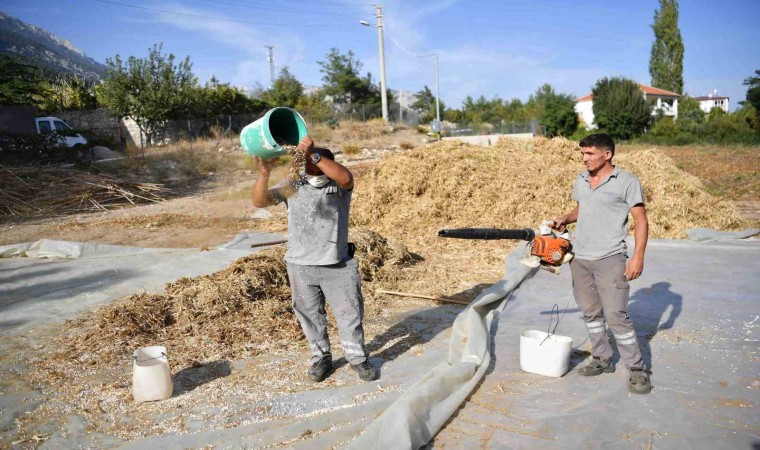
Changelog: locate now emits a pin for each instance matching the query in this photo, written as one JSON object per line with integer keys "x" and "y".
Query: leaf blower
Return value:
{"x": 546, "y": 250}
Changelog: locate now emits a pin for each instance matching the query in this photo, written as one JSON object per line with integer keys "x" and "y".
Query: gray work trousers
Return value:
{"x": 601, "y": 292}
{"x": 340, "y": 285}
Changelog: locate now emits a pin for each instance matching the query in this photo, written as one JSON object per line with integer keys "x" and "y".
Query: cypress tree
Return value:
{"x": 666, "y": 58}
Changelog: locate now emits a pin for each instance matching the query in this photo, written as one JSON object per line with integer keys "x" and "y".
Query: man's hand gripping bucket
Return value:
{"x": 151, "y": 375}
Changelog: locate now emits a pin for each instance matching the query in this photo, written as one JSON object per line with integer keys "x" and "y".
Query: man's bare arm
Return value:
{"x": 635, "y": 266}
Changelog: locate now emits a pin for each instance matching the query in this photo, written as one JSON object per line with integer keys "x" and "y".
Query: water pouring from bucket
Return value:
{"x": 266, "y": 136}
{"x": 151, "y": 375}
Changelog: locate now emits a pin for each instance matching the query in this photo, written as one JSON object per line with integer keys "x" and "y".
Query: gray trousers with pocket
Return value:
{"x": 340, "y": 285}
{"x": 601, "y": 291}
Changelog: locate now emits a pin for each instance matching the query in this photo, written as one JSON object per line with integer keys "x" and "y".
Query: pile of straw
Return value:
{"x": 517, "y": 184}
{"x": 241, "y": 311}
{"x": 58, "y": 190}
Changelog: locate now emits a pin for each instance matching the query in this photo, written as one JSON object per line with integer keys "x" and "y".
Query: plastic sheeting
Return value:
{"x": 413, "y": 419}
{"x": 51, "y": 280}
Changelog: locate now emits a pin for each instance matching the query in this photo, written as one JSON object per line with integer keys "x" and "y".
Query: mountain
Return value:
{"x": 45, "y": 50}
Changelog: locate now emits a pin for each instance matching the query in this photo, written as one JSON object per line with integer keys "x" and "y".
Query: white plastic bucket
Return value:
{"x": 151, "y": 376}
{"x": 545, "y": 356}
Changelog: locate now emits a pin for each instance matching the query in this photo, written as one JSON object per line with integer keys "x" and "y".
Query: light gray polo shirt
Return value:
{"x": 317, "y": 223}
{"x": 603, "y": 214}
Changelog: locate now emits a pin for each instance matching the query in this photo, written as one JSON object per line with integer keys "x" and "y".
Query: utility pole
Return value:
{"x": 401, "y": 105}
{"x": 437, "y": 92}
{"x": 383, "y": 94}
{"x": 270, "y": 58}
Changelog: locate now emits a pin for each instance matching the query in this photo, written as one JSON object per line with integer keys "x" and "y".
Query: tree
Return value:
{"x": 559, "y": 115}
{"x": 315, "y": 107}
{"x": 666, "y": 58}
{"x": 620, "y": 108}
{"x": 20, "y": 82}
{"x": 286, "y": 91}
{"x": 425, "y": 105}
{"x": 342, "y": 81}
{"x": 555, "y": 111}
{"x": 150, "y": 90}
{"x": 753, "y": 92}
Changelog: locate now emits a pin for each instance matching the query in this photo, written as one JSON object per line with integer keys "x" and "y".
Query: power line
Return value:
{"x": 408, "y": 51}
{"x": 209, "y": 17}
{"x": 274, "y": 8}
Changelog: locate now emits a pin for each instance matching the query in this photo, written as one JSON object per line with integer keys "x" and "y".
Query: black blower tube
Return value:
{"x": 521, "y": 234}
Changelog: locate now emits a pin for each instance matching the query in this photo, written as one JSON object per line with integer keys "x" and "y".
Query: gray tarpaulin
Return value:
{"x": 413, "y": 419}
{"x": 51, "y": 280}
{"x": 696, "y": 314}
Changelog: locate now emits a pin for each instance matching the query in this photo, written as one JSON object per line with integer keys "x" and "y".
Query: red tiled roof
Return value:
{"x": 657, "y": 91}
{"x": 649, "y": 90}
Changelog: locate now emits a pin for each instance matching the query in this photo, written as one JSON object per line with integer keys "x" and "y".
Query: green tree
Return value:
{"x": 666, "y": 58}
{"x": 315, "y": 107}
{"x": 620, "y": 108}
{"x": 753, "y": 92}
{"x": 20, "y": 82}
{"x": 559, "y": 115}
{"x": 342, "y": 80}
{"x": 425, "y": 105}
{"x": 286, "y": 91}
{"x": 216, "y": 99}
{"x": 555, "y": 111}
{"x": 148, "y": 90}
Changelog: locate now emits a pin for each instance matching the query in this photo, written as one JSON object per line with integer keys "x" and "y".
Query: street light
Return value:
{"x": 379, "y": 26}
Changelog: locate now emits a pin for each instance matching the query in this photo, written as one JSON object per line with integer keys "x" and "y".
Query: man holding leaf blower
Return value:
{"x": 319, "y": 264}
{"x": 601, "y": 269}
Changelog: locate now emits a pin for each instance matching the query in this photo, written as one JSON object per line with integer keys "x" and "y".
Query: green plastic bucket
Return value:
{"x": 279, "y": 126}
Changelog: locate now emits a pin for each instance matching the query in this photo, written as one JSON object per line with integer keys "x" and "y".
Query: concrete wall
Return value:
{"x": 488, "y": 140}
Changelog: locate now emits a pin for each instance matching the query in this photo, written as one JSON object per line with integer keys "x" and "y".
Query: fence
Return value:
{"x": 534, "y": 127}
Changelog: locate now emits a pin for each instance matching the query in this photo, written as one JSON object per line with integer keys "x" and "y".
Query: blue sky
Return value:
{"x": 493, "y": 48}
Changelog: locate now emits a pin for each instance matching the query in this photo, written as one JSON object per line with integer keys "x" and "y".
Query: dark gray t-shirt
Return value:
{"x": 603, "y": 214}
{"x": 317, "y": 223}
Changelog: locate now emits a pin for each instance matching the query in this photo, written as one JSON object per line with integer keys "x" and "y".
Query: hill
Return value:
{"x": 43, "y": 49}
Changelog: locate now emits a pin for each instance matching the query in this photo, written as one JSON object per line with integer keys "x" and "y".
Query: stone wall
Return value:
{"x": 100, "y": 124}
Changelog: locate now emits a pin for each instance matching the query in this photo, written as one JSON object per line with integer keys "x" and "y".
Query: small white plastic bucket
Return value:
{"x": 545, "y": 356}
{"x": 151, "y": 376}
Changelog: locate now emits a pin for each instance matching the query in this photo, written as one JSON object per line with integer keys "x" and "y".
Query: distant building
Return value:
{"x": 666, "y": 102}
{"x": 712, "y": 100}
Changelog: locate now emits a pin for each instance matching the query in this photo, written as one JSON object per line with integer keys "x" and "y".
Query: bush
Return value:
{"x": 19, "y": 149}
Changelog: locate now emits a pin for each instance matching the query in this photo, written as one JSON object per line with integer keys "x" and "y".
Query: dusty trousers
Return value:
{"x": 340, "y": 285}
{"x": 601, "y": 291}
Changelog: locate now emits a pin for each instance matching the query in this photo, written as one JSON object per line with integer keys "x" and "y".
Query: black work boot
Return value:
{"x": 596, "y": 366}
{"x": 321, "y": 369}
{"x": 366, "y": 371}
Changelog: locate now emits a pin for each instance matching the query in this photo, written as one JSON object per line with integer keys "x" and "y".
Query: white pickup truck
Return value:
{"x": 55, "y": 125}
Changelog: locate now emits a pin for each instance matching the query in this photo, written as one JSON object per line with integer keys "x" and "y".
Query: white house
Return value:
{"x": 665, "y": 101}
{"x": 712, "y": 100}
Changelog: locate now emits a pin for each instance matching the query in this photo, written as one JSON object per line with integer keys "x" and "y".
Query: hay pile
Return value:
{"x": 57, "y": 190}
{"x": 241, "y": 311}
{"x": 517, "y": 184}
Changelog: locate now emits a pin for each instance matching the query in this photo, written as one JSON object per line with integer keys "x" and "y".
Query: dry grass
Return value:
{"x": 731, "y": 172}
{"x": 50, "y": 190}
{"x": 350, "y": 149}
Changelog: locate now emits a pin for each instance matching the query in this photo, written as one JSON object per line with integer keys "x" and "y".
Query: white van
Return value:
{"x": 47, "y": 125}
